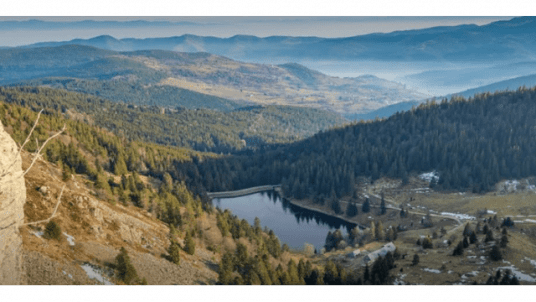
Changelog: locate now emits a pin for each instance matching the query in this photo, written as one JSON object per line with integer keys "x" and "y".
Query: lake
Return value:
{"x": 293, "y": 225}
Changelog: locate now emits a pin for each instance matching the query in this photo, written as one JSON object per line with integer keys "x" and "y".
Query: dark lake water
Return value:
{"x": 293, "y": 225}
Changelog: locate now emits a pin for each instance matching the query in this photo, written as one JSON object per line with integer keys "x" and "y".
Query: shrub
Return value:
{"x": 126, "y": 270}
{"x": 427, "y": 243}
{"x": 53, "y": 230}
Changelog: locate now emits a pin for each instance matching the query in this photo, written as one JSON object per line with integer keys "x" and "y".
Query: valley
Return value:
{"x": 277, "y": 160}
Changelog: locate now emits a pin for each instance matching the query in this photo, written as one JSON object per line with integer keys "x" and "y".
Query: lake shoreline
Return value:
{"x": 301, "y": 205}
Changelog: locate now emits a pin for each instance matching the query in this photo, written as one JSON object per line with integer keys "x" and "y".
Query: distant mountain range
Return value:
{"x": 86, "y": 24}
{"x": 194, "y": 80}
{"x": 511, "y": 84}
{"x": 502, "y": 41}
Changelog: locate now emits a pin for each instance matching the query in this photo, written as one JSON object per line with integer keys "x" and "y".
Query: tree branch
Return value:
{"x": 37, "y": 153}
{"x": 53, "y": 213}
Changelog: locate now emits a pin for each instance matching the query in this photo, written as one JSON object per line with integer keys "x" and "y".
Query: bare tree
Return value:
{"x": 35, "y": 156}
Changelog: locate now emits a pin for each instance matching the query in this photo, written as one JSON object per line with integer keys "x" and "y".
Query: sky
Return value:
{"x": 329, "y": 27}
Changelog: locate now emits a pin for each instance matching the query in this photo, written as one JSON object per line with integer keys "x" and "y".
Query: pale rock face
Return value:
{"x": 12, "y": 199}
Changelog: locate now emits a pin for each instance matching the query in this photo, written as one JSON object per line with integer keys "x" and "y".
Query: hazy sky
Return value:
{"x": 230, "y": 26}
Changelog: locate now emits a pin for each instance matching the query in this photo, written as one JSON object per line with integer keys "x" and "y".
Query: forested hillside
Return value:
{"x": 203, "y": 129}
{"x": 472, "y": 144}
{"x": 133, "y": 174}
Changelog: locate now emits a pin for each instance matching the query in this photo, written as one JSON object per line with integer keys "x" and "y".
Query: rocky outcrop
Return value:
{"x": 12, "y": 199}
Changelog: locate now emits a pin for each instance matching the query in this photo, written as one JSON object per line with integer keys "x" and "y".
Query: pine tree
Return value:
{"x": 372, "y": 229}
{"x": 120, "y": 167}
{"x": 293, "y": 272}
{"x": 458, "y": 251}
{"x": 126, "y": 270}
{"x": 473, "y": 238}
{"x": 415, "y": 260}
{"x": 225, "y": 269}
{"x": 301, "y": 269}
{"x": 174, "y": 252}
{"x": 427, "y": 243}
{"x": 189, "y": 244}
{"x": 465, "y": 242}
{"x": 495, "y": 253}
{"x": 489, "y": 236}
{"x": 241, "y": 256}
{"x": 66, "y": 172}
{"x": 383, "y": 208}
{"x": 380, "y": 232}
{"x": 351, "y": 210}
{"x": 331, "y": 273}
{"x": 467, "y": 230}
{"x": 366, "y": 206}
{"x": 504, "y": 241}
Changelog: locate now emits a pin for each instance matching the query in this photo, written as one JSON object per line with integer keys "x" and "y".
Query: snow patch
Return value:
{"x": 69, "y": 238}
{"x": 492, "y": 212}
{"x": 93, "y": 273}
{"x": 511, "y": 185}
{"x": 69, "y": 275}
{"x": 459, "y": 216}
{"x": 398, "y": 281}
{"x": 469, "y": 274}
{"x": 429, "y": 176}
{"x": 518, "y": 274}
{"x": 533, "y": 262}
{"x": 431, "y": 270}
